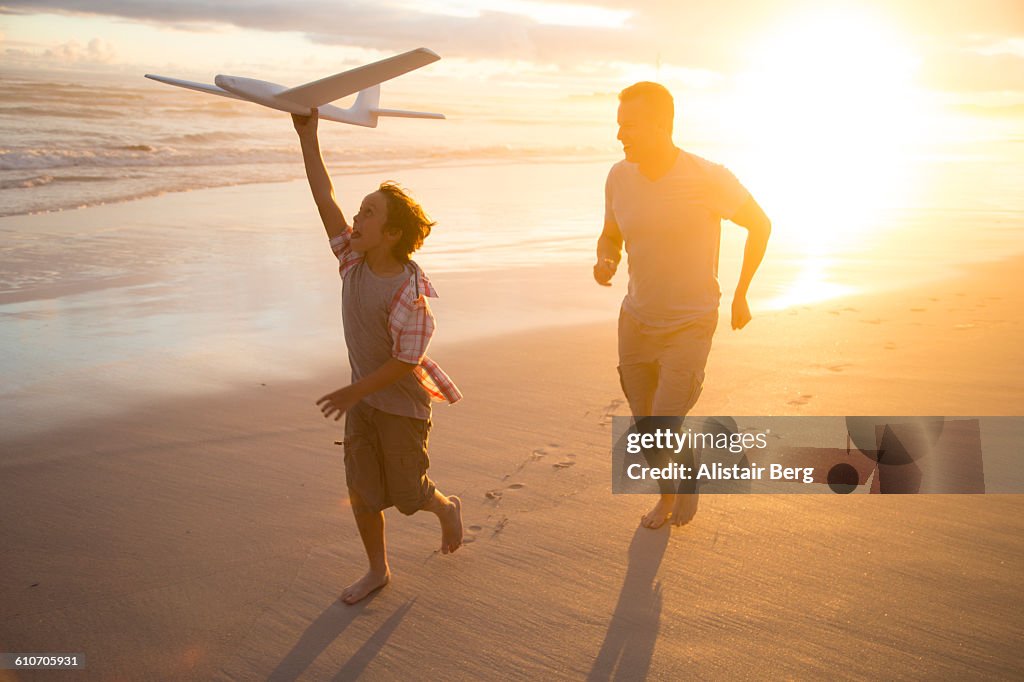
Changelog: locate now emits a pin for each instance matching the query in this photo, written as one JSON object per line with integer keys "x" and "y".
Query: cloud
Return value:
{"x": 968, "y": 70}
{"x": 96, "y": 53}
{"x": 707, "y": 37}
{"x": 648, "y": 29}
{"x": 72, "y": 52}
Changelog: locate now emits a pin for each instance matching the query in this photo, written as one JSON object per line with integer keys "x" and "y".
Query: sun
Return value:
{"x": 829, "y": 114}
{"x": 837, "y": 76}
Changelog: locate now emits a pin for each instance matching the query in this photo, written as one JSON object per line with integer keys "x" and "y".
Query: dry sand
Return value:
{"x": 209, "y": 538}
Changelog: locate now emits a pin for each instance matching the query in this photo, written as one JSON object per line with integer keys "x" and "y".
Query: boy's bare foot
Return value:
{"x": 661, "y": 512}
{"x": 451, "y": 526}
{"x": 685, "y": 509}
{"x": 361, "y": 588}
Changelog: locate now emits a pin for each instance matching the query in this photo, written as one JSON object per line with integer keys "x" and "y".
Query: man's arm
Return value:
{"x": 609, "y": 253}
{"x": 316, "y": 173}
{"x": 759, "y": 228}
{"x": 344, "y": 399}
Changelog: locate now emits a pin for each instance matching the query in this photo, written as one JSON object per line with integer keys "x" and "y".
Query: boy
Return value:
{"x": 387, "y": 328}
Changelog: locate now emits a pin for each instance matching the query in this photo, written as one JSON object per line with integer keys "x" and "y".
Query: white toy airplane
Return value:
{"x": 300, "y": 100}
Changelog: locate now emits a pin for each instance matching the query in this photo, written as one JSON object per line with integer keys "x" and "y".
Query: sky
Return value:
{"x": 970, "y": 53}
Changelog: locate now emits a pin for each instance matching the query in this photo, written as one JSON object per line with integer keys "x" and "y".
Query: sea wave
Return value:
{"x": 41, "y": 180}
{"x": 149, "y": 156}
{"x": 130, "y": 156}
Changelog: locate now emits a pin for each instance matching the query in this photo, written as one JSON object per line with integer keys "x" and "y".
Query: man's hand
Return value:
{"x": 740, "y": 312}
{"x": 305, "y": 126}
{"x": 340, "y": 402}
{"x": 604, "y": 270}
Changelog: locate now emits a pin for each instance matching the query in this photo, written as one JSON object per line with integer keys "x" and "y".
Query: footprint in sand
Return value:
{"x": 802, "y": 400}
{"x": 609, "y": 409}
{"x": 890, "y": 346}
{"x": 838, "y": 367}
{"x": 497, "y": 493}
{"x": 470, "y": 534}
{"x": 555, "y": 449}
{"x": 536, "y": 455}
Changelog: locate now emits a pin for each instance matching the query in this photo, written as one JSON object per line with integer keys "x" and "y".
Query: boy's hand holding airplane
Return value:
{"x": 306, "y": 126}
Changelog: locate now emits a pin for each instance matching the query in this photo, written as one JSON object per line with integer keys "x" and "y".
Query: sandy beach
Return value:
{"x": 206, "y": 535}
{"x": 173, "y": 503}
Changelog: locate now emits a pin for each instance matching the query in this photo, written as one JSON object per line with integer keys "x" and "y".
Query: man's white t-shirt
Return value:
{"x": 672, "y": 229}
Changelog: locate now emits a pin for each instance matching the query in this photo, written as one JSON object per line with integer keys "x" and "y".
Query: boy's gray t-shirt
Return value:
{"x": 365, "y": 302}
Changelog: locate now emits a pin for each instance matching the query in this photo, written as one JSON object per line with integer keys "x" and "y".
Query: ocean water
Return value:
{"x": 68, "y": 143}
{"x": 154, "y": 241}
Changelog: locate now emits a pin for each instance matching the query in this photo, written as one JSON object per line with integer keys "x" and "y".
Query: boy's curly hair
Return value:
{"x": 407, "y": 217}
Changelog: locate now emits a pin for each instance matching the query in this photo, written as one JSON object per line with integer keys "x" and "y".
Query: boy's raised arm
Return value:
{"x": 319, "y": 180}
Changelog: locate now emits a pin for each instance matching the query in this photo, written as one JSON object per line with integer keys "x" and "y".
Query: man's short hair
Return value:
{"x": 656, "y": 98}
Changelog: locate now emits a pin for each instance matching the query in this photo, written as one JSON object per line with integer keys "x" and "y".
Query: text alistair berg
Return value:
{"x": 733, "y": 442}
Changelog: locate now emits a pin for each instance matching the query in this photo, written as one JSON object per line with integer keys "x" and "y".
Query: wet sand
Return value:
{"x": 208, "y": 535}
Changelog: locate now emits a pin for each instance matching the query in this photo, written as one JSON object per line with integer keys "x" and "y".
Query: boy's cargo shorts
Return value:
{"x": 662, "y": 369}
{"x": 386, "y": 459}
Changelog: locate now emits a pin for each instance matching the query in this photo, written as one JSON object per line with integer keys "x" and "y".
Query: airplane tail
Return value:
{"x": 366, "y": 110}
{"x": 367, "y": 103}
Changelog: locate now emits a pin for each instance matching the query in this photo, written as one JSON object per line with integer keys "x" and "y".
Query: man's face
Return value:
{"x": 368, "y": 230}
{"x": 640, "y": 135}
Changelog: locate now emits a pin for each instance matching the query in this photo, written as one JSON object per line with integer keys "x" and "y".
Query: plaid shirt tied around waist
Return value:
{"x": 410, "y": 323}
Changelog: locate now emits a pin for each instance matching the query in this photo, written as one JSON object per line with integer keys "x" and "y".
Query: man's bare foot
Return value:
{"x": 451, "y": 526}
{"x": 661, "y": 512}
{"x": 685, "y": 509}
{"x": 361, "y": 588}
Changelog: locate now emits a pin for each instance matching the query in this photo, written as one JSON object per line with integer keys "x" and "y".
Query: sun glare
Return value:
{"x": 830, "y": 113}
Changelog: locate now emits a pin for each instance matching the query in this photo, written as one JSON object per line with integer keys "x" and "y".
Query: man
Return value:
{"x": 666, "y": 206}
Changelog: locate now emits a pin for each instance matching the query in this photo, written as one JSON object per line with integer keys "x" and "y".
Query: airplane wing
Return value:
{"x": 343, "y": 84}
{"x": 200, "y": 87}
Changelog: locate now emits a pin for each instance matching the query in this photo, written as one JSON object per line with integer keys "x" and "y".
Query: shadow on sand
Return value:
{"x": 629, "y": 643}
{"x": 328, "y": 627}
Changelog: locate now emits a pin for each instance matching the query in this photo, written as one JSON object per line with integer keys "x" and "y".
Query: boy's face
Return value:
{"x": 368, "y": 232}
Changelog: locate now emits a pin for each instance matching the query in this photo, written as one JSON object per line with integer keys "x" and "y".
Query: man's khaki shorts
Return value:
{"x": 662, "y": 369}
{"x": 386, "y": 460}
